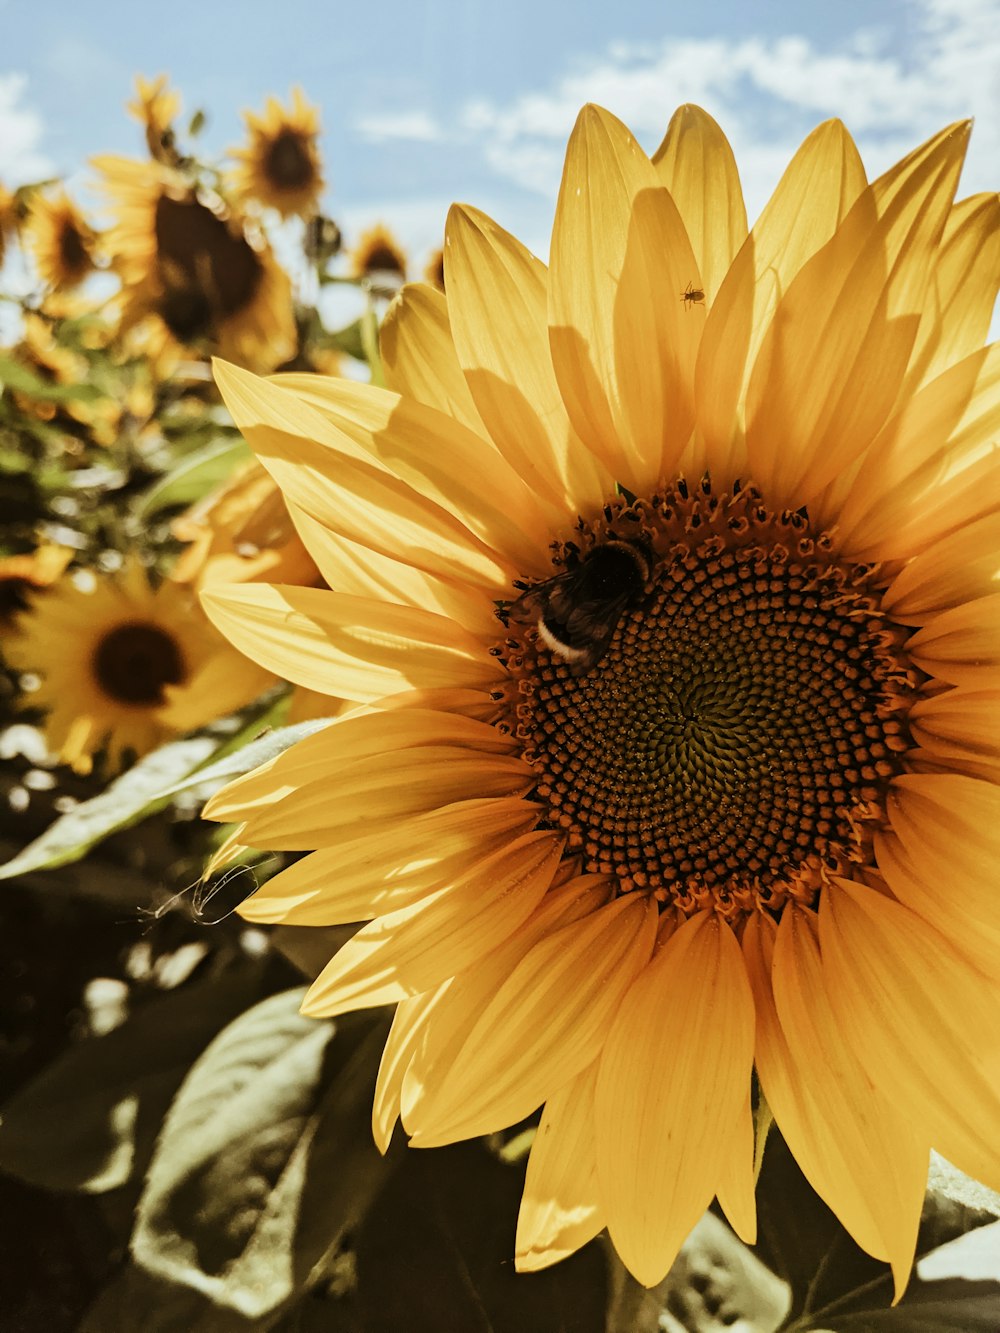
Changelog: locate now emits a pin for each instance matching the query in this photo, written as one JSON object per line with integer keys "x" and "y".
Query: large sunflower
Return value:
{"x": 194, "y": 269}
{"x": 60, "y": 238}
{"x": 280, "y": 166}
{"x": 125, "y": 667}
{"x": 724, "y": 798}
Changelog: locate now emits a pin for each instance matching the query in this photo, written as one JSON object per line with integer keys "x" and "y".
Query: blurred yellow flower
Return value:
{"x": 125, "y": 667}
{"x": 8, "y": 218}
{"x": 155, "y": 108}
{"x": 194, "y": 269}
{"x": 60, "y": 239}
{"x": 379, "y": 257}
{"x": 242, "y": 532}
{"x": 721, "y": 794}
{"x": 280, "y": 166}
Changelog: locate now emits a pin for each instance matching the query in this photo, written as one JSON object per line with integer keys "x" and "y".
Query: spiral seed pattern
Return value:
{"x": 734, "y": 745}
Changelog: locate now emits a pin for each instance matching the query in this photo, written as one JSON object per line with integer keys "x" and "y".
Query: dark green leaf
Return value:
{"x": 89, "y": 1121}
{"x": 196, "y": 123}
{"x": 194, "y": 476}
{"x": 265, "y": 1157}
{"x": 15, "y": 376}
{"x": 130, "y": 798}
{"x": 799, "y": 1238}
{"x": 951, "y": 1306}
{"x": 436, "y": 1252}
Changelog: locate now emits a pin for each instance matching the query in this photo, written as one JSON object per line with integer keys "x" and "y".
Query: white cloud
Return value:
{"x": 415, "y": 126}
{"x": 891, "y": 91}
{"x": 21, "y": 131}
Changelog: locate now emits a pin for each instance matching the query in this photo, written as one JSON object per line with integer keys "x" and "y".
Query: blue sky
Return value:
{"x": 426, "y": 101}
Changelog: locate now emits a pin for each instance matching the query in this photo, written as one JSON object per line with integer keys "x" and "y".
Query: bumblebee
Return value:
{"x": 578, "y": 611}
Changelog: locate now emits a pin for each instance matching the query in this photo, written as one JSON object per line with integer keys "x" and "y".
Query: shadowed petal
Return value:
{"x": 560, "y": 1208}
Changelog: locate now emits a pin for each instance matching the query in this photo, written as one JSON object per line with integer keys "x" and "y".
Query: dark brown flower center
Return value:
{"x": 73, "y": 254}
{"x": 288, "y": 163}
{"x": 133, "y": 662}
{"x": 734, "y": 743}
{"x": 207, "y": 272}
{"x": 384, "y": 259}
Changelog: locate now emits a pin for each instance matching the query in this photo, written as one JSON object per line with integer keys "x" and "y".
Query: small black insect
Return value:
{"x": 692, "y": 295}
{"x": 577, "y": 611}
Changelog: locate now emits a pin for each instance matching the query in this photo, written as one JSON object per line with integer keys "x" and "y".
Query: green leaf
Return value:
{"x": 252, "y": 755}
{"x": 265, "y": 1158}
{"x": 800, "y": 1239}
{"x": 369, "y": 341}
{"x": 194, "y": 476}
{"x": 349, "y": 339}
{"x": 15, "y": 376}
{"x": 130, "y": 798}
{"x": 437, "y": 1252}
{"x": 88, "y": 1122}
{"x": 952, "y": 1306}
{"x": 196, "y": 123}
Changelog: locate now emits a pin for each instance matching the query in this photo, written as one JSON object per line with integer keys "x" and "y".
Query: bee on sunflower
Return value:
{"x": 642, "y": 839}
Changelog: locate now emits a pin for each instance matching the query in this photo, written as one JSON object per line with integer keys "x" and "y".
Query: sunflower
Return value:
{"x": 194, "y": 269}
{"x": 124, "y": 666}
{"x": 155, "y": 108}
{"x": 714, "y": 806}
{"x": 59, "y": 237}
{"x": 380, "y": 258}
{"x": 280, "y": 166}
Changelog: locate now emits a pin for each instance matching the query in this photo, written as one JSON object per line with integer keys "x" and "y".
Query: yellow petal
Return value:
{"x": 696, "y": 164}
{"x": 855, "y": 1146}
{"x": 671, "y": 1091}
{"x": 418, "y": 355}
{"x": 384, "y": 787}
{"x": 947, "y": 840}
{"x": 962, "y": 645}
{"x": 963, "y": 725}
{"x": 959, "y": 568}
{"x": 560, "y": 1208}
{"x": 497, "y": 299}
{"x": 921, "y": 1020}
{"x": 465, "y": 998}
{"x": 323, "y": 471}
{"x": 737, "y": 1185}
{"x": 966, "y": 279}
{"x": 623, "y": 343}
{"x": 813, "y": 196}
{"x": 390, "y": 867}
{"x": 545, "y": 1024}
{"x": 350, "y": 647}
{"x": 433, "y": 453}
{"x": 833, "y": 360}
{"x": 349, "y": 567}
{"x": 960, "y": 908}
{"x": 933, "y": 468}
{"x": 444, "y": 932}
{"x": 408, "y": 1024}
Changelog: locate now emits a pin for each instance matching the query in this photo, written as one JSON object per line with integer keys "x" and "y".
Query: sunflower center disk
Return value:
{"x": 133, "y": 663}
{"x": 287, "y": 162}
{"x": 734, "y": 744}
